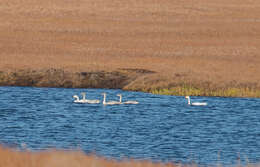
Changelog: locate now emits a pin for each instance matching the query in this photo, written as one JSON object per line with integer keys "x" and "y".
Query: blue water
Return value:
{"x": 159, "y": 128}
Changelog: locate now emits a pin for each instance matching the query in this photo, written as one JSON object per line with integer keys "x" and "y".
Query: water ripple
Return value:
{"x": 160, "y": 128}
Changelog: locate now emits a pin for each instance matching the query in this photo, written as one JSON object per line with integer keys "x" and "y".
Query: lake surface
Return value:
{"x": 159, "y": 128}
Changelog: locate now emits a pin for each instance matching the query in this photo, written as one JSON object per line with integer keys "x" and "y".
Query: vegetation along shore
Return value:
{"x": 126, "y": 79}
{"x": 15, "y": 158}
{"x": 208, "y": 48}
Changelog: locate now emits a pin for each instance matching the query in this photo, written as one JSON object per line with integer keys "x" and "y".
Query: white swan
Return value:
{"x": 196, "y": 103}
{"x": 87, "y": 100}
{"x": 77, "y": 100}
{"x": 109, "y": 102}
{"x": 126, "y": 102}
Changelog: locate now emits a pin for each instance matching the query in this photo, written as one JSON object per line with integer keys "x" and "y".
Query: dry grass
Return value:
{"x": 201, "y": 41}
{"x": 54, "y": 158}
{"x": 11, "y": 158}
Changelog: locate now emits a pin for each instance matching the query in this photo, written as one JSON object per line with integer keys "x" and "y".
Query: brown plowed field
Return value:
{"x": 213, "y": 41}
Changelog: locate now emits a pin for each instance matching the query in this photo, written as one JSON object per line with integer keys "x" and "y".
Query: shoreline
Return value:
{"x": 126, "y": 79}
{"x": 61, "y": 158}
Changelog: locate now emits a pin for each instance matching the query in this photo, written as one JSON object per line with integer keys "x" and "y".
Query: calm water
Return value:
{"x": 160, "y": 128}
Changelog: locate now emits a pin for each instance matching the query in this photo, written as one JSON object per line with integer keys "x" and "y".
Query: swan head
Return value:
{"x": 75, "y": 96}
{"x": 83, "y": 93}
{"x": 186, "y": 97}
{"x": 119, "y": 95}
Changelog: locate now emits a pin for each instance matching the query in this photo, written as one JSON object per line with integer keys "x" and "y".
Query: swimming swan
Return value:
{"x": 126, "y": 102}
{"x": 87, "y": 100}
{"x": 77, "y": 100}
{"x": 109, "y": 102}
{"x": 196, "y": 103}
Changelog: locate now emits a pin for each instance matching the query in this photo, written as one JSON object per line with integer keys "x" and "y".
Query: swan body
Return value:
{"x": 77, "y": 100}
{"x": 195, "y": 103}
{"x": 109, "y": 102}
{"x": 87, "y": 100}
{"x": 131, "y": 102}
{"x": 126, "y": 102}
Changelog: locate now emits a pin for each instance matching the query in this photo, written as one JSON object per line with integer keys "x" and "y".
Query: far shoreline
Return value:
{"x": 140, "y": 80}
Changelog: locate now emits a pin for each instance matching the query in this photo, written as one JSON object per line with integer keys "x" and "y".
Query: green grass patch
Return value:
{"x": 194, "y": 91}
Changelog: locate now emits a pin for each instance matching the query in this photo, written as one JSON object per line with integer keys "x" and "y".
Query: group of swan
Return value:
{"x": 117, "y": 102}
{"x": 84, "y": 100}
{"x": 195, "y": 103}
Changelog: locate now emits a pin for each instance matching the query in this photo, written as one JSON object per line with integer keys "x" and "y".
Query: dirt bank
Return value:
{"x": 15, "y": 158}
{"x": 196, "y": 48}
{"x": 59, "y": 78}
{"x": 127, "y": 79}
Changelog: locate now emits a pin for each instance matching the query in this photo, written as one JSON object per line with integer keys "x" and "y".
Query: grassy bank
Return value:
{"x": 126, "y": 79}
{"x": 221, "y": 92}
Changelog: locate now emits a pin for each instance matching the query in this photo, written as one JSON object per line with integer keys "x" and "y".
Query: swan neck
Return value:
{"x": 189, "y": 100}
{"x": 83, "y": 96}
{"x": 120, "y": 98}
{"x": 77, "y": 98}
{"x": 104, "y": 99}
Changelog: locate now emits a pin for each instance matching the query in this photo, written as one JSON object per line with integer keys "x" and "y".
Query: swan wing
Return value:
{"x": 93, "y": 101}
{"x": 199, "y": 104}
{"x": 131, "y": 102}
{"x": 80, "y": 101}
{"x": 112, "y": 102}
